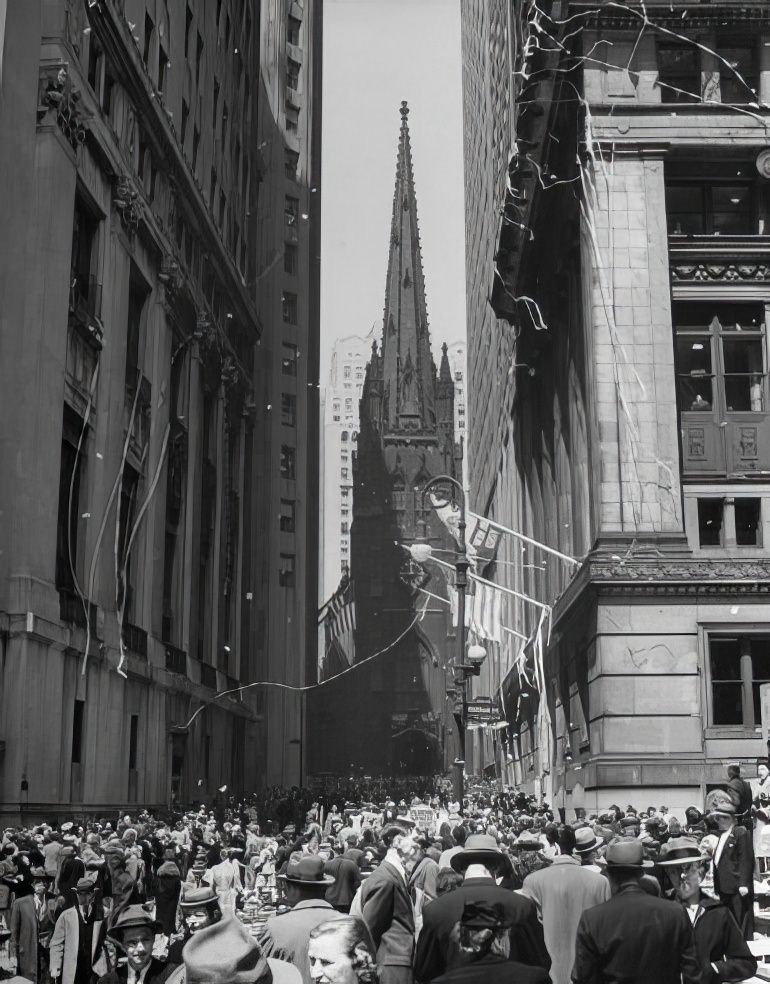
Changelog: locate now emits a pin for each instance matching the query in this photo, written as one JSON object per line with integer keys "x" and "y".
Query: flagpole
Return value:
{"x": 498, "y": 587}
{"x": 526, "y": 539}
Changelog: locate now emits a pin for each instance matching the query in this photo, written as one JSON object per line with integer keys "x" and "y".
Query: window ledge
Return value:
{"x": 732, "y": 731}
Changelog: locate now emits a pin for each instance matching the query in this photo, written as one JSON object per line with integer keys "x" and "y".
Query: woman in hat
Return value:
{"x": 722, "y": 952}
{"x": 341, "y": 951}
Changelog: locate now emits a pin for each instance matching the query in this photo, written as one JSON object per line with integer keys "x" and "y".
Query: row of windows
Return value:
{"x": 683, "y": 78}
{"x": 719, "y": 517}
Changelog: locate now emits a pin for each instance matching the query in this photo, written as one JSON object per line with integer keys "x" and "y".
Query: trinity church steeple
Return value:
{"x": 407, "y": 364}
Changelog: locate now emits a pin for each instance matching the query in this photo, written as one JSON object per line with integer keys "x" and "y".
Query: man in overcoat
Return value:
{"x": 77, "y": 943}
{"x": 734, "y": 868}
{"x": 634, "y": 938}
{"x": 32, "y": 922}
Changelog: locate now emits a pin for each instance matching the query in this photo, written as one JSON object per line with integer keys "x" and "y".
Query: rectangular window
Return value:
{"x": 82, "y": 284}
{"x": 185, "y": 117}
{"x": 148, "y": 29}
{"x": 288, "y": 359}
{"x": 163, "y": 64}
{"x": 679, "y": 73}
{"x": 188, "y": 21}
{"x": 289, "y": 307}
{"x": 70, "y": 473}
{"x": 198, "y": 58}
{"x": 133, "y": 741}
{"x": 739, "y": 665}
{"x": 346, "y": 372}
{"x": 710, "y": 516}
{"x": 292, "y": 74}
{"x": 287, "y": 515}
{"x": 196, "y": 143}
{"x": 344, "y": 473}
{"x": 288, "y": 461}
{"x": 291, "y": 211}
{"x": 290, "y": 258}
{"x": 292, "y": 31}
{"x": 213, "y": 188}
{"x": 748, "y": 520}
{"x": 137, "y": 297}
{"x": 290, "y": 163}
{"x": 94, "y": 58}
{"x": 344, "y": 528}
{"x": 216, "y": 106}
{"x": 288, "y": 410}
{"x": 78, "y": 715}
{"x": 126, "y": 514}
{"x": 286, "y": 571}
{"x": 739, "y": 78}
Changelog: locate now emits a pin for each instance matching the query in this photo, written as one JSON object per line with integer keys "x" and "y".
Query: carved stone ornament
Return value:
{"x": 763, "y": 163}
{"x": 58, "y": 100}
{"x": 724, "y": 272}
{"x": 126, "y": 201}
{"x": 170, "y": 274}
{"x": 686, "y": 576}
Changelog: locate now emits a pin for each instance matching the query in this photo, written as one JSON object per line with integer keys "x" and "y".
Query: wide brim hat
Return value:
{"x": 83, "y": 886}
{"x": 479, "y": 849}
{"x": 133, "y": 917}
{"x": 307, "y": 871}
{"x": 586, "y": 840}
{"x": 678, "y": 851}
{"x": 198, "y": 898}
{"x": 226, "y": 953}
{"x": 625, "y": 854}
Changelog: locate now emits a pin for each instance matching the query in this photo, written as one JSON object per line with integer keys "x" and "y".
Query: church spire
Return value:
{"x": 408, "y": 372}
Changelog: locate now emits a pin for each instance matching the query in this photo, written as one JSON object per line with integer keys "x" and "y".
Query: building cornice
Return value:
{"x": 686, "y": 16}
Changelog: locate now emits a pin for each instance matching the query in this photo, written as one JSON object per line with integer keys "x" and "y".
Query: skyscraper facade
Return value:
{"x": 131, "y": 573}
{"x": 396, "y": 697}
{"x": 627, "y": 422}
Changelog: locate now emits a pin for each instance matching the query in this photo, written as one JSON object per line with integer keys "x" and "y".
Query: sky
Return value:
{"x": 377, "y": 53}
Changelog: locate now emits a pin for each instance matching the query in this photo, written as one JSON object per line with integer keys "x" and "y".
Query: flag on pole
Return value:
{"x": 339, "y": 623}
{"x": 481, "y": 539}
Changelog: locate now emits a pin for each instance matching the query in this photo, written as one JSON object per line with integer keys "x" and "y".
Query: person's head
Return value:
{"x": 733, "y": 771}
{"x": 625, "y": 863}
{"x": 40, "y": 883}
{"x": 137, "y": 943}
{"x": 341, "y": 951}
{"x": 566, "y": 839}
{"x": 305, "y": 879}
{"x": 674, "y": 827}
{"x": 351, "y": 840}
{"x": 199, "y": 908}
{"x": 397, "y": 838}
{"x": 447, "y": 880}
{"x": 459, "y": 835}
{"x": 84, "y": 890}
{"x": 483, "y": 929}
{"x": 685, "y": 866}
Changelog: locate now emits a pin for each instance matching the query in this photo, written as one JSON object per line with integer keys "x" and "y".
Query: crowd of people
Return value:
{"x": 379, "y": 889}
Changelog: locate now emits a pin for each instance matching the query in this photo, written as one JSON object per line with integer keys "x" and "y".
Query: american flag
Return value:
{"x": 339, "y": 619}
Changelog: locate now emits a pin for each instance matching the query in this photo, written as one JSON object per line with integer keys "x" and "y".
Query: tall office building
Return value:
{"x": 132, "y": 570}
{"x": 339, "y": 442}
{"x": 619, "y": 406}
{"x": 288, "y": 292}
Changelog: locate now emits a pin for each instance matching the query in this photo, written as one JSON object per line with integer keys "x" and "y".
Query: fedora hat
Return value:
{"x": 478, "y": 849}
{"x": 679, "y": 850}
{"x": 308, "y": 870}
{"x": 226, "y": 953}
{"x": 625, "y": 854}
{"x": 84, "y": 886}
{"x": 630, "y": 821}
{"x": 198, "y": 898}
{"x": 132, "y": 917}
{"x": 586, "y": 840}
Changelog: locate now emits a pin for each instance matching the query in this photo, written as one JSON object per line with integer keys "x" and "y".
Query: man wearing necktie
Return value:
{"x": 77, "y": 954}
{"x": 31, "y": 928}
{"x": 734, "y": 868}
{"x": 134, "y": 934}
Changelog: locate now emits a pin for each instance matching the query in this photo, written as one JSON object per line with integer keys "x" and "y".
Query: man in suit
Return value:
{"x": 734, "y": 868}
{"x": 562, "y": 892}
{"x": 634, "y": 937}
{"x": 286, "y": 936}
{"x": 742, "y": 795}
{"x": 479, "y": 861}
{"x": 353, "y": 851}
{"x": 347, "y": 878}
{"x": 32, "y": 922}
{"x": 386, "y": 906}
{"x": 76, "y": 951}
{"x": 134, "y": 933}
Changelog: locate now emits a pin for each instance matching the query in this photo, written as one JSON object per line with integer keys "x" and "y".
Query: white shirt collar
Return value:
{"x": 134, "y": 978}
{"x": 392, "y": 858}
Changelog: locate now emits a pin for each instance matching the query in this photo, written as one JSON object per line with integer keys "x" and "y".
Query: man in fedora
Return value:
{"x": 226, "y": 953}
{"x": 31, "y": 924}
{"x": 479, "y": 862}
{"x": 587, "y": 845}
{"x": 562, "y": 892}
{"x": 77, "y": 944}
{"x": 634, "y": 937}
{"x": 134, "y": 934}
{"x": 734, "y": 867}
{"x": 722, "y": 952}
{"x": 386, "y": 906}
{"x": 286, "y": 936}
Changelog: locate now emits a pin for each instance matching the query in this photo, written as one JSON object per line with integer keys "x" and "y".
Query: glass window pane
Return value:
{"x": 693, "y": 355}
{"x": 742, "y": 355}
{"x": 760, "y": 659}
{"x": 748, "y": 514}
{"x": 710, "y": 512}
{"x": 741, "y": 61}
{"x": 679, "y": 76}
{"x": 684, "y": 206}
{"x": 695, "y": 392}
{"x": 725, "y": 655}
{"x": 744, "y": 394}
{"x": 726, "y": 705}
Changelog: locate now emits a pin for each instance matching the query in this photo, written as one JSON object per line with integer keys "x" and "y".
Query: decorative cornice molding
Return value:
{"x": 720, "y": 272}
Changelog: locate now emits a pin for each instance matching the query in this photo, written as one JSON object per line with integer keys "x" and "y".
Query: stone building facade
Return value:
{"x": 392, "y": 715}
{"x": 130, "y": 572}
{"x": 629, "y": 396}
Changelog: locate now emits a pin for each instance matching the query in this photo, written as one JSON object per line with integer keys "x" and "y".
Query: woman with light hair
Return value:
{"x": 341, "y": 951}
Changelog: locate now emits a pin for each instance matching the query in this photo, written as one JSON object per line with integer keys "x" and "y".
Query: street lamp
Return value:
{"x": 421, "y": 552}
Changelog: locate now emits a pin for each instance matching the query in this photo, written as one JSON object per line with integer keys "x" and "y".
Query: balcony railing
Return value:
{"x": 176, "y": 660}
{"x": 135, "y": 639}
{"x": 71, "y": 610}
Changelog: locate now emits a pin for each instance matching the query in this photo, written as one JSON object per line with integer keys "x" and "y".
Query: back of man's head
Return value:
{"x": 566, "y": 839}
{"x": 459, "y": 834}
{"x": 734, "y": 770}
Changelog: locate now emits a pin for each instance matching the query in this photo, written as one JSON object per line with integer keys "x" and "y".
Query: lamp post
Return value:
{"x": 422, "y": 552}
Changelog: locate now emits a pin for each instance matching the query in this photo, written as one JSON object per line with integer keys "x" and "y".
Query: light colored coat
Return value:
{"x": 562, "y": 892}
{"x": 64, "y": 947}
